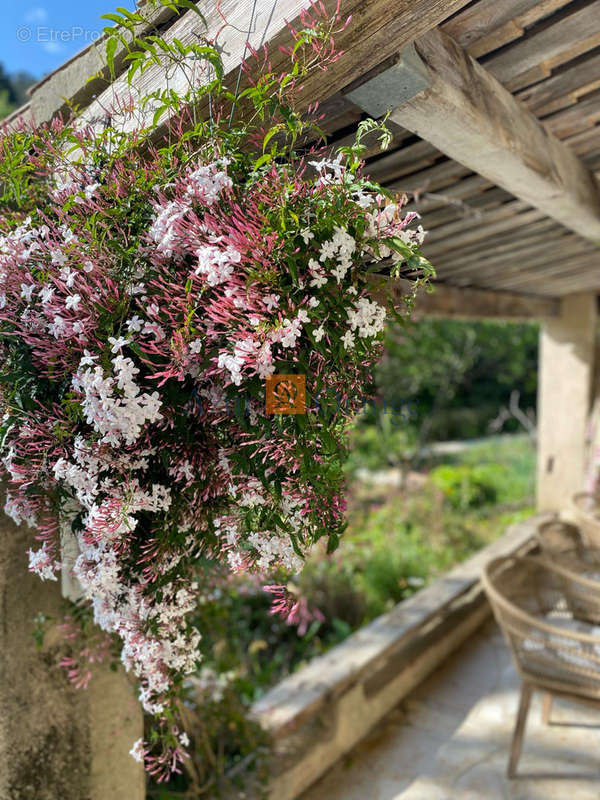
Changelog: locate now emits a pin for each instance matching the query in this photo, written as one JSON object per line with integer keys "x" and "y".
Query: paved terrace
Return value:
{"x": 449, "y": 740}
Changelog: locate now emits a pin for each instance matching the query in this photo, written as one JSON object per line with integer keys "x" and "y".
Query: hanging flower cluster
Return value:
{"x": 146, "y": 294}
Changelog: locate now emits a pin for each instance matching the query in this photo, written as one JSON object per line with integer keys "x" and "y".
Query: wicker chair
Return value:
{"x": 549, "y": 617}
{"x": 585, "y": 510}
{"x": 563, "y": 543}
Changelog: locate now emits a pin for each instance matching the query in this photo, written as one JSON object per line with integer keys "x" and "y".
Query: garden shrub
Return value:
{"x": 468, "y": 486}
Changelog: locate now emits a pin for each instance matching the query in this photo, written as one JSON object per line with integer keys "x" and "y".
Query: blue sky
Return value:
{"x": 39, "y": 36}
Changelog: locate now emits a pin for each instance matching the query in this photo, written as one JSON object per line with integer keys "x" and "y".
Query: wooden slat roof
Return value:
{"x": 545, "y": 52}
{"x": 481, "y": 236}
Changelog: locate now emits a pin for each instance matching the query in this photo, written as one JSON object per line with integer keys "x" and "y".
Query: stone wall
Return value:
{"x": 56, "y": 741}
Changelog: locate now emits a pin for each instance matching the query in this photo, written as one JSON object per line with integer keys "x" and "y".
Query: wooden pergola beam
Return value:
{"x": 377, "y": 30}
{"x": 436, "y": 90}
{"x": 453, "y": 302}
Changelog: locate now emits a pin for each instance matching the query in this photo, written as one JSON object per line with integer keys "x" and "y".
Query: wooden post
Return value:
{"x": 566, "y": 368}
{"x": 55, "y": 740}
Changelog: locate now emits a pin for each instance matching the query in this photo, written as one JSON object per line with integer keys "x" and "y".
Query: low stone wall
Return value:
{"x": 318, "y": 714}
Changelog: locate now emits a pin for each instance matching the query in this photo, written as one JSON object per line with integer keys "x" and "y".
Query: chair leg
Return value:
{"x": 517, "y": 740}
{"x": 546, "y": 708}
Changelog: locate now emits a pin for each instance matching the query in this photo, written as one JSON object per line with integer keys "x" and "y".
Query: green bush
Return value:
{"x": 390, "y": 575}
{"x": 468, "y": 486}
{"x": 380, "y": 444}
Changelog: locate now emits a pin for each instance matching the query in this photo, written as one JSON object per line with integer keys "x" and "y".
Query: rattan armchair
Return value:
{"x": 549, "y": 616}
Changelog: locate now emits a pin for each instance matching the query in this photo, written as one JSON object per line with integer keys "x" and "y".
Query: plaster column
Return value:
{"x": 566, "y": 371}
{"x": 56, "y": 741}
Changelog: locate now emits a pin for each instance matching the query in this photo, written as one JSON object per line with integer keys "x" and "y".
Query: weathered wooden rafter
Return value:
{"x": 378, "y": 28}
{"x": 466, "y": 113}
{"x": 454, "y": 303}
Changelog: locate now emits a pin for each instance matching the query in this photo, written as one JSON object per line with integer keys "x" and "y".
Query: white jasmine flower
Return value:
{"x": 319, "y": 280}
{"x": 46, "y": 294}
{"x": 348, "y": 340}
{"x": 117, "y": 343}
{"x": 135, "y": 324}
{"x": 137, "y": 751}
{"x": 27, "y": 291}
{"x": 87, "y": 360}
{"x": 58, "y": 257}
{"x": 73, "y": 301}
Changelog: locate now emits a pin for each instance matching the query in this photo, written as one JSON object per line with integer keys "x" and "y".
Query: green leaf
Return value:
{"x": 158, "y": 114}
{"x": 332, "y": 543}
{"x": 119, "y": 22}
{"x": 111, "y": 47}
{"x": 270, "y": 135}
{"x": 191, "y": 6}
{"x": 264, "y": 159}
{"x": 134, "y": 18}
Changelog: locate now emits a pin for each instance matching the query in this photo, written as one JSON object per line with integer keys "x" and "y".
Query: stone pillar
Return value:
{"x": 56, "y": 741}
{"x": 115, "y": 723}
{"x": 566, "y": 371}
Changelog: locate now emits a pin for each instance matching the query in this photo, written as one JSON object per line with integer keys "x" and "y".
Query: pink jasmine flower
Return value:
{"x": 319, "y": 280}
{"x": 90, "y": 190}
{"x": 88, "y": 359}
